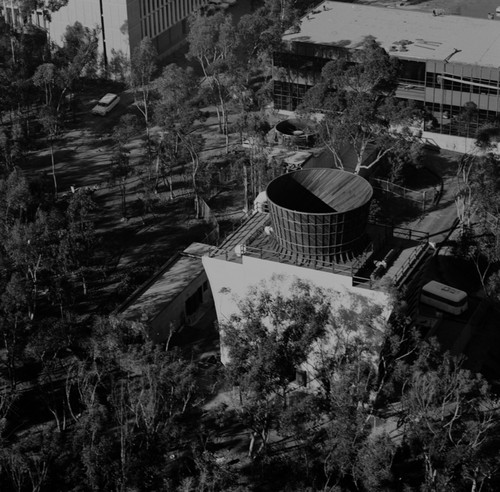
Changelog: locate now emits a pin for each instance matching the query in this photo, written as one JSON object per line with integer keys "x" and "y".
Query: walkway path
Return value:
{"x": 439, "y": 221}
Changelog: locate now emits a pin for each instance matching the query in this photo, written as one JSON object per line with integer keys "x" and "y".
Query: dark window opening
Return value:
{"x": 412, "y": 71}
{"x": 301, "y": 377}
{"x": 194, "y": 302}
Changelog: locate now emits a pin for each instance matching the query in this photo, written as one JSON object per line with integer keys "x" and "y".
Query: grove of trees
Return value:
{"x": 88, "y": 403}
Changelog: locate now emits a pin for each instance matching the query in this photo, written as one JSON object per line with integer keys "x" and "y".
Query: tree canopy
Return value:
{"x": 355, "y": 95}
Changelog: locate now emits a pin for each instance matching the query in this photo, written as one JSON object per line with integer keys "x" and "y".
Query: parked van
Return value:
{"x": 444, "y": 297}
{"x": 106, "y": 104}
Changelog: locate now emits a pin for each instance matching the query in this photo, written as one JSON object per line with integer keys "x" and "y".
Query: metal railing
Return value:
{"x": 411, "y": 234}
{"x": 412, "y": 259}
{"x": 315, "y": 264}
{"x": 422, "y": 198}
{"x": 351, "y": 270}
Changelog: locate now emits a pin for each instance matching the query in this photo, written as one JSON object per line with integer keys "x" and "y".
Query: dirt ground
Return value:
{"x": 131, "y": 248}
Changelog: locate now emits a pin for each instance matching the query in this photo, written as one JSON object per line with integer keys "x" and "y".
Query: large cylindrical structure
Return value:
{"x": 296, "y": 132}
{"x": 319, "y": 214}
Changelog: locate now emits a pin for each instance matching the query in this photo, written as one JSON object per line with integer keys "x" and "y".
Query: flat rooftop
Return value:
{"x": 432, "y": 37}
{"x": 405, "y": 248}
{"x": 159, "y": 291}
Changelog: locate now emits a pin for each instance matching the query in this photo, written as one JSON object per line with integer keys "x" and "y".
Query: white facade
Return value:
{"x": 230, "y": 281}
{"x": 88, "y": 13}
{"x": 124, "y": 22}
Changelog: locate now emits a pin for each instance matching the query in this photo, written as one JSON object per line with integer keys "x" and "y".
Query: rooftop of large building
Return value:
{"x": 455, "y": 38}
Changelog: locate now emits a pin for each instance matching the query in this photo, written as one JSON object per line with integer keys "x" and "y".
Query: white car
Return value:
{"x": 106, "y": 104}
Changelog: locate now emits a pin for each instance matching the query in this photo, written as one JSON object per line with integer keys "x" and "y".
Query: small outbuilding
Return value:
{"x": 178, "y": 295}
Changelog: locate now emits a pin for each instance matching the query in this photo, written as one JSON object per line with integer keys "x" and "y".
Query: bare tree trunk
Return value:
{"x": 252, "y": 444}
{"x": 53, "y": 166}
{"x": 245, "y": 187}
{"x": 124, "y": 203}
{"x": 171, "y": 187}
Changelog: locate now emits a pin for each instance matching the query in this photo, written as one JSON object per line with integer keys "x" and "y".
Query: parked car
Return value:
{"x": 106, "y": 104}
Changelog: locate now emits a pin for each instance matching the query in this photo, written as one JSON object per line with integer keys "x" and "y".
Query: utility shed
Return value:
{"x": 178, "y": 295}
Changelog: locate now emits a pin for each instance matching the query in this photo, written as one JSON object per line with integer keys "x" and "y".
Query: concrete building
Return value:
{"x": 122, "y": 23}
{"x": 316, "y": 230}
{"x": 449, "y": 63}
{"x": 178, "y": 295}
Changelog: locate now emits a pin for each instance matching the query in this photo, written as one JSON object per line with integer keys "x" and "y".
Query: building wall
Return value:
{"x": 230, "y": 281}
{"x": 88, "y": 13}
{"x": 134, "y": 23}
{"x": 165, "y": 22}
{"x": 126, "y": 22}
{"x": 174, "y": 315}
{"x": 443, "y": 89}
{"x": 450, "y": 142}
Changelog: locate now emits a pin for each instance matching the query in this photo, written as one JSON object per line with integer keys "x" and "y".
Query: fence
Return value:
{"x": 205, "y": 212}
{"x": 424, "y": 199}
{"x": 492, "y": 222}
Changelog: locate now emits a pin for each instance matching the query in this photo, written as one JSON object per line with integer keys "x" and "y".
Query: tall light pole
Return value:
{"x": 105, "y": 55}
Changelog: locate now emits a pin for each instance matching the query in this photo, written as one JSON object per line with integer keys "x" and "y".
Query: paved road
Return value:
{"x": 439, "y": 221}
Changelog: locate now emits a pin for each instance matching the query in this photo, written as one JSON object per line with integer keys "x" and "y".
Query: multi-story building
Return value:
{"x": 122, "y": 23}
{"x": 315, "y": 228}
{"x": 450, "y": 65}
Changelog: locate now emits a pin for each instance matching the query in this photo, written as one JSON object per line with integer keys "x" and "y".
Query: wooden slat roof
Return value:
{"x": 319, "y": 191}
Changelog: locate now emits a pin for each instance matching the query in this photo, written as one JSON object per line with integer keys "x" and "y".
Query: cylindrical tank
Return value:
{"x": 319, "y": 214}
{"x": 295, "y": 132}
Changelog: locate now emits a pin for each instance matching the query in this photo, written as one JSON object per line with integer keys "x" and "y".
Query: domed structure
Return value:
{"x": 319, "y": 214}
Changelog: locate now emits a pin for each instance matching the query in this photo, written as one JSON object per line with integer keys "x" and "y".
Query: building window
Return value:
{"x": 301, "y": 377}
{"x": 288, "y": 95}
{"x": 412, "y": 72}
{"x": 194, "y": 302}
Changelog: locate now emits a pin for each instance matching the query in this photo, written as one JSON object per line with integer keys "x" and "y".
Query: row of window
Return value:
{"x": 454, "y": 120}
{"x": 13, "y": 17}
{"x": 470, "y": 85}
{"x": 411, "y": 72}
{"x": 159, "y": 15}
{"x": 446, "y": 119}
{"x": 291, "y": 61}
{"x": 288, "y": 96}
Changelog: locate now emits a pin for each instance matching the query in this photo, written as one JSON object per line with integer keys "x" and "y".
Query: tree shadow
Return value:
{"x": 387, "y": 208}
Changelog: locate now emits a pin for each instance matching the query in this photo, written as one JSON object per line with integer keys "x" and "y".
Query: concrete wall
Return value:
{"x": 171, "y": 39}
{"x": 450, "y": 142}
{"x": 87, "y": 12}
{"x": 174, "y": 313}
{"x": 230, "y": 282}
{"x": 122, "y": 24}
{"x": 134, "y": 24}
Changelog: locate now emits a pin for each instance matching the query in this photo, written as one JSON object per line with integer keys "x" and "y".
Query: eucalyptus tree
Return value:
{"x": 355, "y": 95}
{"x": 212, "y": 40}
{"x": 176, "y": 112}
{"x": 143, "y": 66}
